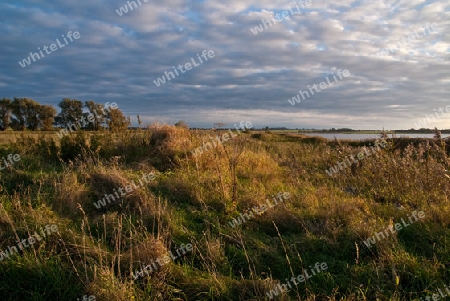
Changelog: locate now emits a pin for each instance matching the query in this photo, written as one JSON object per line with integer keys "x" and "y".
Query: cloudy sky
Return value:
{"x": 120, "y": 53}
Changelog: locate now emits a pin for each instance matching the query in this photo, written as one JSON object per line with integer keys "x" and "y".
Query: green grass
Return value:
{"x": 191, "y": 201}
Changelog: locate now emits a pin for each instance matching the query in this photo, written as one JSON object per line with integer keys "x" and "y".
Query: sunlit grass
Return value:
{"x": 191, "y": 201}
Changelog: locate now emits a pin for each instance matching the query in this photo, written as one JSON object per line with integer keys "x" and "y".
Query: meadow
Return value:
{"x": 326, "y": 222}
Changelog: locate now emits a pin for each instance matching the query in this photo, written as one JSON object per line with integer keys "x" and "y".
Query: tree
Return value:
{"x": 5, "y": 113}
{"x": 182, "y": 124}
{"x": 32, "y": 120}
{"x": 116, "y": 120}
{"x": 96, "y": 110}
{"x": 71, "y": 111}
{"x": 46, "y": 115}
{"x": 18, "y": 109}
{"x": 30, "y": 114}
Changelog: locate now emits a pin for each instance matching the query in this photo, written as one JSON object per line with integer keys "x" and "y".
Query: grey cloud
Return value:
{"x": 117, "y": 59}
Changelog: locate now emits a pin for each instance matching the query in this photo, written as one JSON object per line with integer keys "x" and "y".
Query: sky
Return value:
{"x": 396, "y": 53}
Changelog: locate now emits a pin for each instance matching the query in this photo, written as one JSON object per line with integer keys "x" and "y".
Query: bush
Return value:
{"x": 73, "y": 146}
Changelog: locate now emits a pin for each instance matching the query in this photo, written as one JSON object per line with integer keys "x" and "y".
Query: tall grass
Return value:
{"x": 192, "y": 200}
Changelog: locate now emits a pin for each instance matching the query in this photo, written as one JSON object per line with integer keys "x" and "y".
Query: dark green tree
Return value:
{"x": 32, "y": 120}
{"x": 71, "y": 111}
{"x": 97, "y": 111}
{"x": 5, "y": 113}
{"x": 19, "y": 112}
{"x": 46, "y": 115}
{"x": 29, "y": 114}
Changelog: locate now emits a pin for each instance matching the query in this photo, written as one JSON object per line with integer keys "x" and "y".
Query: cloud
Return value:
{"x": 252, "y": 76}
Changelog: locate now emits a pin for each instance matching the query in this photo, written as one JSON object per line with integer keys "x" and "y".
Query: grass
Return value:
{"x": 192, "y": 200}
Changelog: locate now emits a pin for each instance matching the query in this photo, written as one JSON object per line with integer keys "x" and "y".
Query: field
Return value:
{"x": 254, "y": 216}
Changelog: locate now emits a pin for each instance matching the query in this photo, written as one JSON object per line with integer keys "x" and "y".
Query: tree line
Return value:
{"x": 22, "y": 114}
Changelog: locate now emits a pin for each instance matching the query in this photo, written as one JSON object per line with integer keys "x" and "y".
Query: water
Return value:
{"x": 330, "y": 136}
